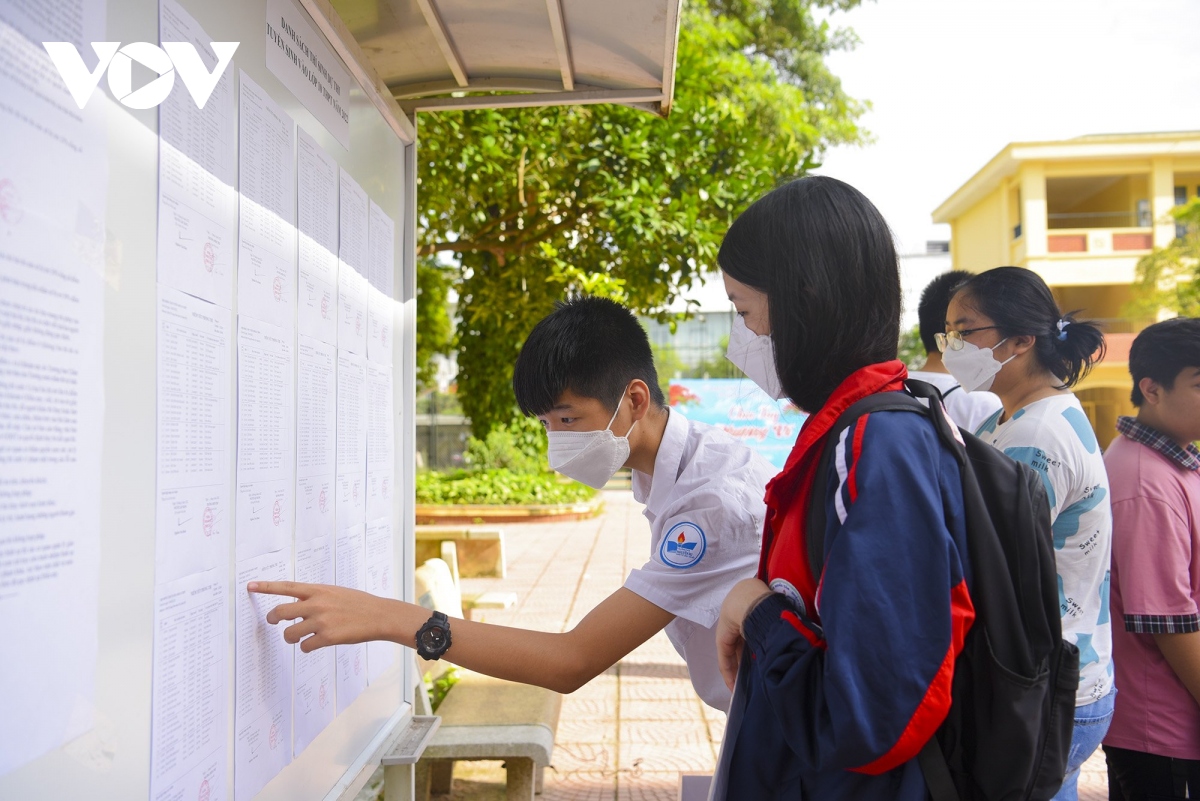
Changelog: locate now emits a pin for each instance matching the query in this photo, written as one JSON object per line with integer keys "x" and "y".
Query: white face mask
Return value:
{"x": 754, "y": 355}
{"x": 589, "y": 457}
{"x": 974, "y": 368}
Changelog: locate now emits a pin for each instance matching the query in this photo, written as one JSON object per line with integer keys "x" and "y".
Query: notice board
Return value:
{"x": 208, "y": 372}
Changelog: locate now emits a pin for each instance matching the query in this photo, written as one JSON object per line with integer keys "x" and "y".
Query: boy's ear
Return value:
{"x": 639, "y": 397}
{"x": 1151, "y": 390}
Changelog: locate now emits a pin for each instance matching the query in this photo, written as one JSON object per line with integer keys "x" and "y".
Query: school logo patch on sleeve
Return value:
{"x": 683, "y": 546}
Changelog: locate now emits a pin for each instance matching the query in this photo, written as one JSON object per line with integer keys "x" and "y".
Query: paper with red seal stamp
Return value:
{"x": 317, "y": 184}
{"x": 266, "y": 274}
{"x": 381, "y": 272}
{"x": 352, "y": 266}
{"x": 265, "y": 438}
{"x": 351, "y": 439}
{"x": 316, "y": 446}
{"x": 193, "y": 520}
{"x": 350, "y": 572}
{"x": 197, "y": 201}
{"x": 381, "y": 441}
{"x": 262, "y": 678}
{"x": 313, "y": 707}
{"x": 380, "y": 563}
{"x": 189, "y": 718}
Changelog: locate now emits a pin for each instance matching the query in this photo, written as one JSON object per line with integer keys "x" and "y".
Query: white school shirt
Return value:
{"x": 705, "y": 507}
{"x": 1054, "y": 437}
{"x": 968, "y": 410}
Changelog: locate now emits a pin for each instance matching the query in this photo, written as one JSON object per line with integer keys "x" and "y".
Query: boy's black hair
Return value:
{"x": 1020, "y": 303}
{"x": 1161, "y": 351}
{"x": 931, "y": 310}
{"x": 591, "y": 346}
{"x": 824, "y": 257}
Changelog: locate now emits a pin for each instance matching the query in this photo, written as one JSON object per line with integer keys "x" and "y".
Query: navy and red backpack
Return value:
{"x": 1008, "y": 732}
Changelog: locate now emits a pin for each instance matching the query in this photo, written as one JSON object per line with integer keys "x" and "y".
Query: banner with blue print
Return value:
{"x": 742, "y": 410}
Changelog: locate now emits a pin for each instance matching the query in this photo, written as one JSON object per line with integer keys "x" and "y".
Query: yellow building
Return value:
{"x": 1081, "y": 213}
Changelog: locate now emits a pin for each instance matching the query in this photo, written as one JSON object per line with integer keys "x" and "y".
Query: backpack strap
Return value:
{"x": 946, "y": 394}
{"x": 931, "y": 757}
{"x": 814, "y": 529}
{"x": 936, "y": 771}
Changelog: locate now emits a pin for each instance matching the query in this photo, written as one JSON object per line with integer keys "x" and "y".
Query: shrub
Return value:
{"x": 498, "y": 487}
{"x": 519, "y": 447}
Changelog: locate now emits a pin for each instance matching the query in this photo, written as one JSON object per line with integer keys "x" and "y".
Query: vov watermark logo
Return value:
{"x": 172, "y": 57}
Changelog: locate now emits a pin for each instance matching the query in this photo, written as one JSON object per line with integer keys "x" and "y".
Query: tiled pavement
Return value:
{"x": 628, "y": 733}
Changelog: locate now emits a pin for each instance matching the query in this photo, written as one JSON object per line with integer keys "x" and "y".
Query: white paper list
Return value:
{"x": 267, "y": 224}
{"x": 53, "y": 188}
{"x": 381, "y": 265}
{"x": 193, "y": 516}
{"x": 191, "y": 698}
{"x": 265, "y": 438}
{"x": 316, "y": 439}
{"x": 351, "y": 439}
{"x": 197, "y": 204}
{"x": 381, "y": 453}
{"x": 263, "y": 704}
{"x": 351, "y": 659}
{"x": 379, "y": 548}
{"x": 316, "y": 675}
{"x": 352, "y": 266}
{"x": 317, "y": 225}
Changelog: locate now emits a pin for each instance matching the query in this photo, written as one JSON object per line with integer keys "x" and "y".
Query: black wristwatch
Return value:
{"x": 433, "y": 639}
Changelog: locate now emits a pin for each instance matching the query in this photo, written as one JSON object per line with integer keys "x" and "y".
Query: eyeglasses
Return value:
{"x": 953, "y": 340}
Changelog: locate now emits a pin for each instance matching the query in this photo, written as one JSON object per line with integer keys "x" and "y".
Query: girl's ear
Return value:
{"x": 1022, "y": 343}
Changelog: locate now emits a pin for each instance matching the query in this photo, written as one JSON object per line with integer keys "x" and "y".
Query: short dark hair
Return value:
{"x": 931, "y": 310}
{"x": 589, "y": 345}
{"x": 1020, "y": 303}
{"x": 824, "y": 256}
{"x": 1162, "y": 351}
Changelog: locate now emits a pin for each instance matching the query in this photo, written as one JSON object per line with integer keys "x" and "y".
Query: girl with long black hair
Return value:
{"x": 1006, "y": 333}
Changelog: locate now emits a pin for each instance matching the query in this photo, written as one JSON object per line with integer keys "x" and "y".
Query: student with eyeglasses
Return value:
{"x": 1005, "y": 333}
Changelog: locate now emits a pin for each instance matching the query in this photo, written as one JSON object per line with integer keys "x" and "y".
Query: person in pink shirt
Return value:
{"x": 1153, "y": 744}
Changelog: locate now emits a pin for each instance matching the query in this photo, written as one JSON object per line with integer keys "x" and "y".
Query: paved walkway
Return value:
{"x": 629, "y": 732}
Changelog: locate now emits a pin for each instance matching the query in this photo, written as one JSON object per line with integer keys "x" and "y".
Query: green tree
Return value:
{"x": 537, "y": 204}
{"x": 912, "y": 349}
{"x": 1169, "y": 277}
{"x": 435, "y": 333}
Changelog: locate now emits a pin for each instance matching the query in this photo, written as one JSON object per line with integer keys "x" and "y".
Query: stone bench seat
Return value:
{"x": 487, "y": 718}
{"x": 480, "y": 551}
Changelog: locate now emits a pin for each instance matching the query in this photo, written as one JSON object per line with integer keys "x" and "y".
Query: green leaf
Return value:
{"x": 612, "y": 200}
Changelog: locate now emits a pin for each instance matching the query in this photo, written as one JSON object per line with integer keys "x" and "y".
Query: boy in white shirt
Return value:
{"x": 967, "y": 409}
{"x": 587, "y": 373}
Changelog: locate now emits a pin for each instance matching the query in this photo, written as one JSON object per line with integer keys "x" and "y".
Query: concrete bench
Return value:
{"x": 482, "y": 717}
{"x": 480, "y": 550}
{"x": 492, "y": 599}
{"x": 486, "y": 718}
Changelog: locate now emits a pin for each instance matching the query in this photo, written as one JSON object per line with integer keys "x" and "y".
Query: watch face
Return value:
{"x": 433, "y": 638}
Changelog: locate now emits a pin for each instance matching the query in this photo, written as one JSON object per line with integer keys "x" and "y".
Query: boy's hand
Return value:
{"x": 329, "y": 615}
{"x": 744, "y": 596}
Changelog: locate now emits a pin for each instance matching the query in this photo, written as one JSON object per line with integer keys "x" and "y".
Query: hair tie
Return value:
{"x": 1062, "y": 330}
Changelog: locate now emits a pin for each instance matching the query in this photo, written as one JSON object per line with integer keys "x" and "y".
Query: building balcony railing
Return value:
{"x": 1096, "y": 219}
{"x": 1100, "y": 241}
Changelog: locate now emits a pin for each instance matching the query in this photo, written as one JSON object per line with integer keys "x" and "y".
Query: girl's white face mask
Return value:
{"x": 974, "y": 368}
{"x": 589, "y": 457}
{"x": 754, "y": 355}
